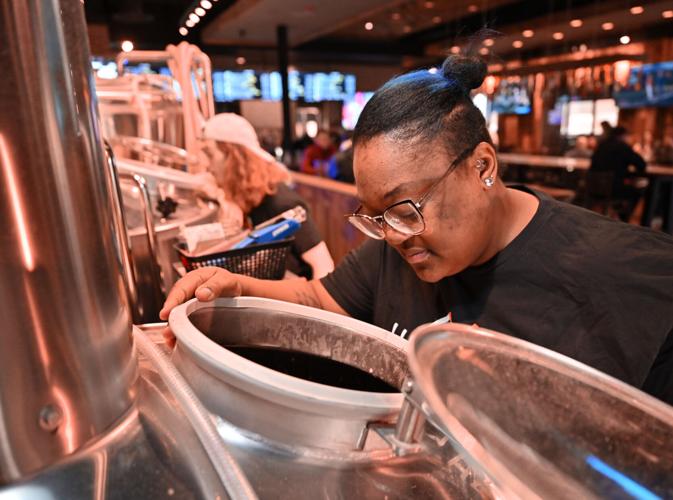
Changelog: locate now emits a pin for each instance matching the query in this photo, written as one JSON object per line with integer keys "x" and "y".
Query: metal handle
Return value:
{"x": 148, "y": 219}
{"x": 121, "y": 230}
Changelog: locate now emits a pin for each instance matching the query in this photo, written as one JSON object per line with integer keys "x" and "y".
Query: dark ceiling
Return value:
{"x": 401, "y": 28}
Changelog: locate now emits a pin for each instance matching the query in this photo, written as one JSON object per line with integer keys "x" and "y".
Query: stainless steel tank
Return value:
{"x": 483, "y": 415}
{"x": 295, "y": 437}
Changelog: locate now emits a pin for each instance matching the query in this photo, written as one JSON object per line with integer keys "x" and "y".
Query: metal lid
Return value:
{"x": 537, "y": 423}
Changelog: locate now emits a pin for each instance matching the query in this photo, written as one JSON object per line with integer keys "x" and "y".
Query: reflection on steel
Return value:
{"x": 121, "y": 231}
{"x": 150, "y": 232}
{"x": 67, "y": 369}
{"x": 17, "y": 204}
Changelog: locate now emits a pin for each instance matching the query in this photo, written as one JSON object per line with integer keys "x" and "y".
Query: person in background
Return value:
{"x": 257, "y": 183}
{"x": 581, "y": 148}
{"x": 447, "y": 236}
{"x": 616, "y": 156}
{"x": 318, "y": 154}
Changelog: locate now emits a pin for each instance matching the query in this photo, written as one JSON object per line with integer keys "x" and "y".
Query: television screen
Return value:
{"x": 350, "y": 112}
{"x": 648, "y": 85}
{"x": 235, "y": 85}
{"x": 332, "y": 86}
{"x": 272, "y": 86}
{"x": 512, "y": 98}
{"x": 606, "y": 110}
{"x": 578, "y": 118}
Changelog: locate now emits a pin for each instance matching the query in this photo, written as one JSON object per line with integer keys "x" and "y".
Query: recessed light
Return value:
{"x": 369, "y": 26}
{"x": 558, "y": 36}
{"x": 667, "y": 14}
{"x": 483, "y": 51}
{"x": 429, "y": 5}
{"x": 183, "y": 31}
{"x": 489, "y": 42}
{"x": 206, "y": 4}
{"x": 576, "y": 23}
{"x": 625, "y": 39}
{"x": 436, "y": 19}
{"x": 127, "y": 45}
{"x": 240, "y": 60}
{"x": 396, "y": 16}
{"x": 637, "y": 9}
{"x": 455, "y": 49}
{"x": 528, "y": 33}
{"x": 472, "y": 8}
{"x": 608, "y": 26}
{"x": 189, "y": 23}
{"x": 407, "y": 29}
{"x": 517, "y": 44}
{"x": 194, "y": 18}
{"x": 200, "y": 12}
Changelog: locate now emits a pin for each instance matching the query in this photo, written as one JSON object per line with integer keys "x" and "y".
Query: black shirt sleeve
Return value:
{"x": 637, "y": 161}
{"x": 352, "y": 284}
{"x": 659, "y": 382}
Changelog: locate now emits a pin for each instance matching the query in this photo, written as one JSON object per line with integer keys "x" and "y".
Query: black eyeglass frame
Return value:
{"x": 380, "y": 220}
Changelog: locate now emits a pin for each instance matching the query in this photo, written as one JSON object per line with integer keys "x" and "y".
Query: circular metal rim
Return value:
{"x": 255, "y": 376}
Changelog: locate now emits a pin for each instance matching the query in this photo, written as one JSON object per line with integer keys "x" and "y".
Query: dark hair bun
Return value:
{"x": 469, "y": 72}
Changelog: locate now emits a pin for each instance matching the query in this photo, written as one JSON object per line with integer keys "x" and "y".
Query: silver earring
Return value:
{"x": 489, "y": 181}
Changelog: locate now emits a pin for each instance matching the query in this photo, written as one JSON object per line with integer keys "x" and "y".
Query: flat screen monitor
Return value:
{"x": 606, "y": 110}
{"x": 350, "y": 112}
{"x": 578, "y": 118}
{"x": 648, "y": 85}
{"x": 235, "y": 85}
{"x": 512, "y": 98}
{"x": 332, "y": 86}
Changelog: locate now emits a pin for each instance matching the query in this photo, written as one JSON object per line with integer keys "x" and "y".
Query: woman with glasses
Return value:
{"x": 449, "y": 240}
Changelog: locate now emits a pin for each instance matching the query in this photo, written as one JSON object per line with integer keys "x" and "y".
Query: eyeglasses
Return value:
{"x": 405, "y": 217}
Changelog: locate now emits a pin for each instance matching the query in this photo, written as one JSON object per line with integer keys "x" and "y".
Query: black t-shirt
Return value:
{"x": 594, "y": 289}
{"x": 304, "y": 239}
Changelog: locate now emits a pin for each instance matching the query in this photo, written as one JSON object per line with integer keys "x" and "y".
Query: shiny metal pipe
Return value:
{"x": 67, "y": 369}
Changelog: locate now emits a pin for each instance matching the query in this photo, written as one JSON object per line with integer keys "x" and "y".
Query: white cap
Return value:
{"x": 233, "y": 128}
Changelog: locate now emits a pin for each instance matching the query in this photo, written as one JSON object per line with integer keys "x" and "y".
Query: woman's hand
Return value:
{"x": 205, "y": 284}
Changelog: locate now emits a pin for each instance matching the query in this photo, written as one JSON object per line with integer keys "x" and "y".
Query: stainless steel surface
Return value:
{"x": 152, "y": 152}
{"x": 300, "y": 439}
{"x": 65, "y": 319}
{"x": 540, "y": 424}
{"x": 151, "y": 453}
{"x": 149, "y": 230}
{"x": 121, "y": 232}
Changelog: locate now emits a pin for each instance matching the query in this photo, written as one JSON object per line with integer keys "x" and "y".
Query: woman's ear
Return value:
{"x": 486, "y": 164}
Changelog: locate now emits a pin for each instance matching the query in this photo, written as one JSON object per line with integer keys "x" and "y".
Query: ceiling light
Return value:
{"x": 369, "y": 26}
{"x": 558, "y": 36}
{"x": 194, "y": 18}
{"x": 637, "y": 9}
{"x": 667, "y": 14}
{"x": 625, "y": 39}
{"x": 183, "y": 31}
{"x": 206, "y": 4}
{"x": 436, "y": 19}
{"x": 517, "y": 44}
{"x": 200, "y": 12}
{"x": 240, "y": 60}
{"x": 608, "y": 26}
{"x": 189, "y": 23}
{"x": 489, "y": 42}
{"x": 472, "y": 8}
{"x": 583, "y": 47}
{"x": 396, "y": 16}
{"x": 429, "y": 5}
{"x": 407, "y": 29}
{"x": 576, "y": 23}
{"x": 127, "y": 45}
{"x": 528, "y": 33}
{"x": 455, "y": 49}
{"x": 483, "y": 51}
